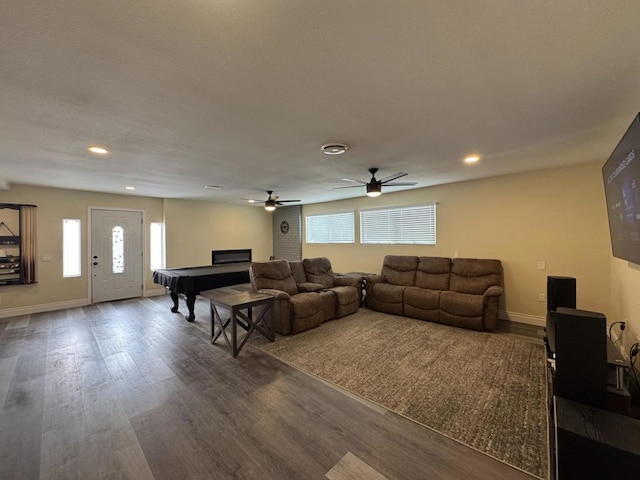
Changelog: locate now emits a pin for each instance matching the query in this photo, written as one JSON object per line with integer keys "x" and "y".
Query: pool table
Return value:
{"x": 190, "y": 281}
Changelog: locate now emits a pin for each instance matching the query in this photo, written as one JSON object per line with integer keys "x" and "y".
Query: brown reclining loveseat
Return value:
{"x": 306, "y": 293}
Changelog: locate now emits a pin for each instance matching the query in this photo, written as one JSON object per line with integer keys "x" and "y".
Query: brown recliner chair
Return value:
{"x": 348, "y": 290}
{"x": 293, "y": 311}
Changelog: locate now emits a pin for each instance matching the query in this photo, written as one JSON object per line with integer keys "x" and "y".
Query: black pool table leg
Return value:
{"x": 174, "y": 297}
{"x": 191, "y": 303}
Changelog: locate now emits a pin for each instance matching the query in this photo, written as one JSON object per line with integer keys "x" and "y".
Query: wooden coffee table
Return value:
{"x": 235, "y": 302}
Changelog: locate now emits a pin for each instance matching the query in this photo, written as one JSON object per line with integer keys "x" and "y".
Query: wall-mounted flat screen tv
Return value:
{"x": 621, "y": 174}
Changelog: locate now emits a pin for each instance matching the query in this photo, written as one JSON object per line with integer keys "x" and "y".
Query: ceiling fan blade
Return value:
{"x": 278, "y": 202}
{"x": 399, "y": 184}
{"x": 252, "y": 200}
{"x": 392, "y": 177}
{"x": 353, "y": 180}
{"x": 349, "y": 186}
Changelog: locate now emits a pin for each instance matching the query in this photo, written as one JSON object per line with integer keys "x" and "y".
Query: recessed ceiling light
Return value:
{"x": 129, "y": 188}
{"x": 213, "y": 187}
{"x": 98, "y": 150}
{"x": 251, "y": 201}
{"x": 334, "y": 148}
{"x": 471, "y": 159}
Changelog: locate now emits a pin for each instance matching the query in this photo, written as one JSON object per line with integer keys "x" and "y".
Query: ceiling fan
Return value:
{"x": 374, "y": 186}
{"x": 271, "y": 202}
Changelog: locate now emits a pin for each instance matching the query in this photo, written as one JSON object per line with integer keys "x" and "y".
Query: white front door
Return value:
{"x": 116, "y": 255}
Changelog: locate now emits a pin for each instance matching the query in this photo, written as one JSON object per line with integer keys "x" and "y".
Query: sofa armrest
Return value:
{"x": 347, "y": 281}
{"x": 493, "y": 291}
{"x": 374, "y": 279}
{"x": 310, "y": 287}
{"x": 281, "y": 319}
{"x": 277, "y": 294}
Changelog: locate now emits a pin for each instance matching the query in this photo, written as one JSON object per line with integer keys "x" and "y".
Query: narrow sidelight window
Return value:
{"x": 156, "y": 247}
{"x": 71, "y": 248}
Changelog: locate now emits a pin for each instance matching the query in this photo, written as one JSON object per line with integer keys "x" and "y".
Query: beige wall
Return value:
{"x": 625, "y": 300}
{"x": 193, "y": 230}
{"x": 557, "y": 216}
{"x": 54, "y": 205}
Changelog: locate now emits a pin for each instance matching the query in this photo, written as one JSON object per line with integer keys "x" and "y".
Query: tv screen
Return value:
{"x": 621, "y": 174}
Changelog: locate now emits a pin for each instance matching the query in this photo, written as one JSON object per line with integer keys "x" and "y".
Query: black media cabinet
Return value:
{"x": 592, "y": 443}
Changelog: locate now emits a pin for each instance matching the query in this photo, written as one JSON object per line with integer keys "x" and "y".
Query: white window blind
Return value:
{"x": 330, "y": 228}
{"x": 407, "y": 225}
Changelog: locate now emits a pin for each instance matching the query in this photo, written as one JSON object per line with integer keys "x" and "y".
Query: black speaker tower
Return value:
{"x": 581, "y": 356}
{"x": 561, "y": 292}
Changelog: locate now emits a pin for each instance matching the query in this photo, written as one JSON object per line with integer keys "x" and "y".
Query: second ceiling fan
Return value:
{"x": 374, "y": 186}
{"x": 271, "y": 202}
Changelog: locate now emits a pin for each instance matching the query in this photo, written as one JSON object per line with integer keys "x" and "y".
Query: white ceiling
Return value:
{"x": 242, "y": 93}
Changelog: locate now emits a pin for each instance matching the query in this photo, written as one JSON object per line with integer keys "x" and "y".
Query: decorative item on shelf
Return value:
{"x": 2, "y": 224}
{"x": 18, "y": 244}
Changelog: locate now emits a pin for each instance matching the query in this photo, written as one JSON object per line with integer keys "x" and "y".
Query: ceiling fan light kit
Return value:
{"x": 270, "y": 203}
{"x": 374, "y": 189}
{"x": 374, "y": 186}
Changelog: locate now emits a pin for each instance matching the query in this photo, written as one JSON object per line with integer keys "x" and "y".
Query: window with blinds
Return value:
{"x": 330, "y": 228}
{"x": 405, "y": 225}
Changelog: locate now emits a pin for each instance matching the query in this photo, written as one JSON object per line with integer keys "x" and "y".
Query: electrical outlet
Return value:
{"x": 542, "y": 265}
{"x": 542, "y": 297}
{"x": 455, "y": 254}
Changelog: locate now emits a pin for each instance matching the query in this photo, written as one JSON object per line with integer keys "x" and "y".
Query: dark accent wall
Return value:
{"x": 287, "y": 245}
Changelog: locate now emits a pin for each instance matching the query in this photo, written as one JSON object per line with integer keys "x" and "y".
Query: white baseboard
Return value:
{"x": 45, "y": 307}
{"x": 523, "y": 318}
{"x": 51, "y": 307}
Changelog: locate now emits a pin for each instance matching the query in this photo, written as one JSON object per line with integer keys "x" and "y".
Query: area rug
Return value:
{"x": 485, "y": 390}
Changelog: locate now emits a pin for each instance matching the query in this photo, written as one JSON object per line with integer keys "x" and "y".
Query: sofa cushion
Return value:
{"x": 400, "y": 269}
{"x": 318, "y": 270}
{"x": 462, "y": 310}
{"x": 464, "y": 304}
{"x": 329, "y": 304}
{"x": 433, "y": 273}
{"x": 422, "y": 303}
{"x": 275, "y": 274}
{"x": 347, "y": 300}
{"x": 307, "y": 311}
{"x": 475, "y": 276}
{"x": 297, "y": 270}
{"x": 387, "y": 298}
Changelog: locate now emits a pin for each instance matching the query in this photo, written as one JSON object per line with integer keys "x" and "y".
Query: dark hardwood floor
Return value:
{"x": 129, "y": 390}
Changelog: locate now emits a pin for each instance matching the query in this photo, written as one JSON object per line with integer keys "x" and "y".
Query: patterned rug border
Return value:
{"x": 263, "y": 342}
